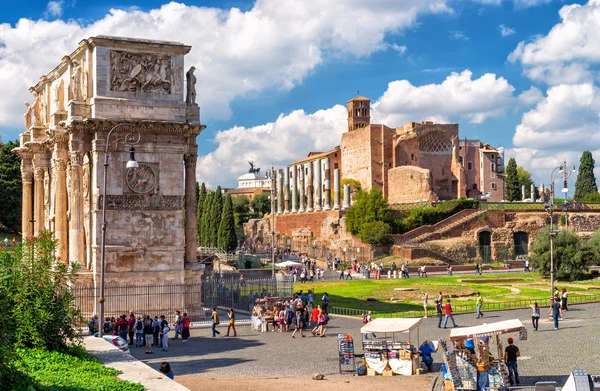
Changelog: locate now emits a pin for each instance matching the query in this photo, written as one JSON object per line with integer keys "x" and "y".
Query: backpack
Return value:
{"x": 186, "y": 322}
{"x": 139, "y": 326}
{"x": 107, "y": 327}
{"x": 365, "y": 320}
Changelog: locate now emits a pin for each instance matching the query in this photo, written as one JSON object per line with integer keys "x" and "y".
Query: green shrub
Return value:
{"x": 73, "y": 370}
{"x": 429, "y": 215}
{"x": 376, "y": 233}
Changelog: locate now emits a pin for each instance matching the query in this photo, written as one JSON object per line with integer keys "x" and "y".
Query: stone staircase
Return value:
{"x": 436, "y": 231}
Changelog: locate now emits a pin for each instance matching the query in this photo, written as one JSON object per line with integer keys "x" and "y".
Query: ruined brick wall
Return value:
{"x": 409, "y": 184}
{"x": 584, "y": 222}
{"x": 356, "y": 157}
{"x": 288, "y": 223}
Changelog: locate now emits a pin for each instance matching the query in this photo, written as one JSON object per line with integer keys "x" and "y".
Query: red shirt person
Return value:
{"x": 448, "y": 312}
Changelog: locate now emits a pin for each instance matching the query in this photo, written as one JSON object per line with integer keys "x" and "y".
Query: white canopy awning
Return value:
{"x": 288, "y": 264}
{"x": 391, "y": 325}
{"x": 487, "y": 329}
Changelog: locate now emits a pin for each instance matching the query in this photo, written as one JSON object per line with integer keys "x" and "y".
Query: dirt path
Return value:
{"x": 330, "y": 383}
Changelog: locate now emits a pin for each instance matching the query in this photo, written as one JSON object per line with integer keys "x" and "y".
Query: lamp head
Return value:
{"x": 132, "y": 163}
{"x": 573, "y": 168}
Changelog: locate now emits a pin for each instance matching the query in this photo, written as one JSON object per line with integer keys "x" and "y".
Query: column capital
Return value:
{"x": 39, "y": 173}
{"x": 190, "y": 159}
{"x": 27, "y": 176}
{"x": 60, "y": 163}
{"x": 76, "y": 158}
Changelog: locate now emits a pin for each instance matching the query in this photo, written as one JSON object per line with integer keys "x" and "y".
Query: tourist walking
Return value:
{"x": 448, "y": 312}
{"x": 325, "y": 302}
{"x": 556, "y": 312}
{"x": 179, "y": 324}
{"x": 342, "y": 274}
{"x": 423, "y": 272}
{"x": 510, "y": 357}
{"x": 438, "y": 308}
{"x": 231, "y": 324}
{"x": 215, "y": 322}
{"x": 131, "y": 329}
{"x": 478, "y": 305}
{"x": 123, "y": 327}
{"x": 299, "y": 324}
{"x": 139, "y": 332}
{"x": 526, "y": 268}
{"x": 185, "y": 329}
{"x": 535, "y": 316}
{"x": 367, "y": 318}
{"x": 148, "y": 334}
{"x": 563, "y": 299}
{"x": 156, "y": 332}
{"x": 425, "y": 302}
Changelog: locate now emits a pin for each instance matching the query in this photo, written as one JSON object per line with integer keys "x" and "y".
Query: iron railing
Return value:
{"x": 462, "y": 309}
{"x": 230, "y": 291}
{"x": 154, "y": 300}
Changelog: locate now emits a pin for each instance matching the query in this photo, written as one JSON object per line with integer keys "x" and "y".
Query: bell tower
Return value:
{"x": 359, "y": 113}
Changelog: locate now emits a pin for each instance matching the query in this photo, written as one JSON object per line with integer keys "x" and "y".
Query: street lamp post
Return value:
{"x": 564, "y": 173}
{"x": 130, "y": 140}
{"x": 273, "y": 221}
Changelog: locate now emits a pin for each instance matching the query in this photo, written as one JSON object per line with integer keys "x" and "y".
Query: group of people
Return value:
{"x": 143, "y": 331}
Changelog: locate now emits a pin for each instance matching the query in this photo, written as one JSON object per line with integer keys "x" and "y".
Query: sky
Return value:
{"x": 274, "y": 75}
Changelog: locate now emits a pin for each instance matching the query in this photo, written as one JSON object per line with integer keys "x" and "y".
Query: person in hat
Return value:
{"x": 510, "y": 357}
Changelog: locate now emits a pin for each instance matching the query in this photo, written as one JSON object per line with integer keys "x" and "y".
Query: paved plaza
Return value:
{"x": 546, "y": 355}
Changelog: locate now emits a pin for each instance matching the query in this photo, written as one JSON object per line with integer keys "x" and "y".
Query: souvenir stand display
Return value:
{"x": 388, "y": 353}
{"x": 579, "y": 380}
{"x": 346, "y": 353}
{"x": 263, "y": 310}
{"x": 481, "y": 366}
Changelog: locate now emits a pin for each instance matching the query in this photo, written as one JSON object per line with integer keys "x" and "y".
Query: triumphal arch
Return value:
{"x": 143, "y": 87}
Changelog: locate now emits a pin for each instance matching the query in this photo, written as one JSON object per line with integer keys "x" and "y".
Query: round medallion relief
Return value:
{"x": 142, "y": 179}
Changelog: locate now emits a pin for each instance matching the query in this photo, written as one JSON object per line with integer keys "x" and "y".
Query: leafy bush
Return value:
{"x": 41, "y": 306}
{"x": 572, "y": 255}
{"x": 368, "y": 208}
{"x": 376, "y": 233}
{"x": 73, "y": 370}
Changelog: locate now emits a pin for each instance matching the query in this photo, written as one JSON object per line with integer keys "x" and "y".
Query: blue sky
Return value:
{"x": 273, "y": 98}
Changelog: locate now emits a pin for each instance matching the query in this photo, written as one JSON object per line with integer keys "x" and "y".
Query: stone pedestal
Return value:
{"x": 38, "y": 133}
{"x": 78, "y": 110}
{"x": 192, "y": 114}
{"x": 57, "y": 117}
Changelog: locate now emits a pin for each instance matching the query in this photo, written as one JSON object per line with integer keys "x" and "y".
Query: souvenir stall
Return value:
{"x": 388, "y": 349}
{"x": 475, "y": 361}
{"x": 262, "y": 313}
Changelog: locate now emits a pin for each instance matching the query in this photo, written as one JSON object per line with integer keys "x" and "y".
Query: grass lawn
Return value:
{"x": 379, "y": 295}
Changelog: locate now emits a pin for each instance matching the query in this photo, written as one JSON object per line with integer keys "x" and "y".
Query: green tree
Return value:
{"x": 585, "y": 185}
{"x": 572, "y": 255}
{"x": 227, "y": 237}
{"x": 261, "y": 204}
{"x": 216, "y": 209}
{"x": 10, "y": 187}
{"x": 355, "y": 186}
{"x": 525, "y": 180}
{"x": 199, "y": 209}
{"x": 513, "y": 188}
{"x": 376, "y": 233}
{"x": 241, "y": 210}
{"x": 206, "y": 208}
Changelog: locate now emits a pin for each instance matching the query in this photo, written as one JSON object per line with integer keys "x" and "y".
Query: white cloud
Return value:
{"x": 458, "y": 96}
{"x": 54, "y": 8}
{"x": 506, "y": 31}
{"x": 457, "y": 34}
{"x": 276, "y": 44}
{"x": 517, "y": 3}
{"x": 277, "y": 143}
{"x": 531, "y": 96}
{"x": 397, "y": 48}
{"x": 561, "y": 126}
{"x": 566, "y": 52}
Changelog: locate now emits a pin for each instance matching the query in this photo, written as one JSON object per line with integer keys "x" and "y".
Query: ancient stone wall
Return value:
{"x": 356, "y": 156}
{"x": 409, "y": 184}
{"x": 287, "y": 224}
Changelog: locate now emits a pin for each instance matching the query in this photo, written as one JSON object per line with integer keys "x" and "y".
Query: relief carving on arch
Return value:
{"x": 141, "y": 180}
{"x": 143, "y": 72}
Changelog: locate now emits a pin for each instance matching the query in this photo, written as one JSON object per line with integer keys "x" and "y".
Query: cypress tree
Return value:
{"x": 204, "y": 237}
{"x": 513, "y": 189}
{"x": 215, "y": 217}
{"x": 199, "y": 206}
{"x": 227, "y": 237}
{"x": 586, "y": 180}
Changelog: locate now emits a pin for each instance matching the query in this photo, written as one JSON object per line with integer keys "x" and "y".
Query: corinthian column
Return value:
{"x": 38, "y": 202}
{"x": 279, "y": 192}
{"x": 309, "y": 184}
{"x": 286, "y": 190}
{"x": 326, "y": 184}
{"x": 336, "y": 189}
{"x": 190, "y": 207}
{"x": 294, "y": 181}
{"x": 76, "y": 241}
{"x": 302, "y": 190}
{"x": 27, "y": 204}
{"x": 60, "y": 209}
{"x": 317, "y": 184}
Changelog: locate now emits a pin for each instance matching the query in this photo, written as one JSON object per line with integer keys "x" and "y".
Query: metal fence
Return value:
{"x": 232, "y": 292}
{"x": 156, "y": 299}
{"x": 467, "y": 308}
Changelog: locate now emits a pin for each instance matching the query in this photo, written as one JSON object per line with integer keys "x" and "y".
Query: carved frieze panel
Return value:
{"x": 140, "y": 72}
{"x": 141, "y": 180}
{"x": 142, "y": 202}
